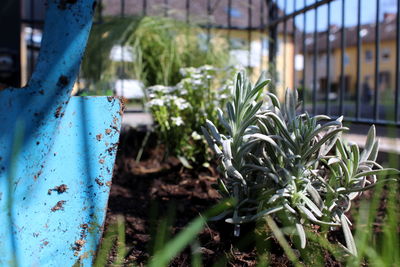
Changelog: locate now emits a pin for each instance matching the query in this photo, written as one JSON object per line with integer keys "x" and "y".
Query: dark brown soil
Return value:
{"x": 153, "y": 191}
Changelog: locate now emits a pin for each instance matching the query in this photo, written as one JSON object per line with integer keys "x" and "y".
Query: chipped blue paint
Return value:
{"x": 56, "y": 152}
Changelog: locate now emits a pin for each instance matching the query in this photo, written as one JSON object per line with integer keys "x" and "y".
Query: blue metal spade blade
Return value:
{"x": 56, "y": 152}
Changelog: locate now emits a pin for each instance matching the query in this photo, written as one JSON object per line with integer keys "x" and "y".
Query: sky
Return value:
{"x": 368, "y": 12}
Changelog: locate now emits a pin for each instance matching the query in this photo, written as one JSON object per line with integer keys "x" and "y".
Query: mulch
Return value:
{"x": 158, "y": 191}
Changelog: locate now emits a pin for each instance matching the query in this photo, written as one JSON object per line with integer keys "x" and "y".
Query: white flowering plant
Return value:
{"x": 180, "y": 110}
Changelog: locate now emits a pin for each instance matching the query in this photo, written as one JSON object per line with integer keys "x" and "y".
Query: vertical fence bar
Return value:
{"x": 261, "y": 35}
{"x": 121, "y": 76}
{"x": 294, "y": 46}
{"x": 188, "y": 28}
{"x": 122, "y": 3}
{"x": 32, "y": 25}
{"x": 377, "y": 57}
{"x": 249, "y": 26}
{"x": 144, "y": 7}
{"x": 273, "y": 39}
{"x": 342, "y": 55}
{"x": 284, "y": 44}
{"x": 100, "y": 66}
{"x": 208, "y": 22}
{"x": 358, "y": 82}
{"x": 328, "y": 62}
{"x": 187, "y": 11}
{"x": 100, "y": 10}
{"x": 166, "y": 8}
{"x": 13, "y": 27}
{"x": 315, "y": 78}
{"x": 397, "y": 74}
{"x": 229, "y": 20}
{"x": 304, "y": 59}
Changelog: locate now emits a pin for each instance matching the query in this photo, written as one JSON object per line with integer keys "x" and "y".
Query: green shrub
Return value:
{"x": 288, "y": 167}
{"x": 160, "y": 47}
{"x": 180, "y": 110}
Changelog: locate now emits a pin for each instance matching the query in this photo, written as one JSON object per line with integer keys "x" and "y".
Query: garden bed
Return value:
{"x": 153, "y": 190}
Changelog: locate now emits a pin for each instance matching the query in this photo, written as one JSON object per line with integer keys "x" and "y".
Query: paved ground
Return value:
{"x": 386, "y": 144}
{"x": 349, "y": 109}
{"x": 135, "y": 119}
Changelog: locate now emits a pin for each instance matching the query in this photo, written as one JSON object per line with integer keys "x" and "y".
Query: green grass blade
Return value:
{"x": 186, "y": 236}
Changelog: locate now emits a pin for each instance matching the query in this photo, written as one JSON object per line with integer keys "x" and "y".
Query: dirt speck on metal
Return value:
{"x": 113, "y": 148}
{"x": 84, "y": 256}
{"x": 78, "y": 245}
{"x": 37, "y": 175}
{"x": 100, "y": 183}
{"x": 59, "y": 206}
{"x": 123, "y": 102}
{"x": 58, "y": 113}
{"x": 63, "y": 81}
{"x": 59, "y": 189}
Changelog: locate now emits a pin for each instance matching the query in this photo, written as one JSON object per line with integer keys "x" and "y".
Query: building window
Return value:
{"x": 363, "y": 33}
{"x": 234, "y": 12}
{"x": 368, "y": 56}
{"x": 265, "y": 44}
{"x": 299, "y": 62}
{"x": 385, "y": 54}
{"x": 346, "y": 59}
{"x": 237, "y": 43}
{"x": 279, "y": 46}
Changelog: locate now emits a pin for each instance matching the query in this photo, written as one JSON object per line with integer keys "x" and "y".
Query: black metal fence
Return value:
{"x": 366, "y": 89}
{"x": 342, "y": 55}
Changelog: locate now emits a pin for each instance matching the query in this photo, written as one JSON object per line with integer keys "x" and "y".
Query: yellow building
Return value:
{"x": 387, "y": 58}
{"x": 251, "y": 51}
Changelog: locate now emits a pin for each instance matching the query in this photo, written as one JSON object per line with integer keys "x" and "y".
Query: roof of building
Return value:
{"x": 242, "y": 14}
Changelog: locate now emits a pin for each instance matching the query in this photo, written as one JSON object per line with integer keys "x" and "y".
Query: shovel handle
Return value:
{"x": 67, "y": 27}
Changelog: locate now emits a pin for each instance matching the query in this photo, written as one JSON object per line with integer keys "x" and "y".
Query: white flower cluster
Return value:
{"x": 177, "y": 121}
{"x": 155, "y": 102}
{"x": 159, "y": 90}
{"x": 195, "y": 135}
{"x": 161, "y": 96}
{"x": 196, "y": 77}
{"x": 180, "y": 102}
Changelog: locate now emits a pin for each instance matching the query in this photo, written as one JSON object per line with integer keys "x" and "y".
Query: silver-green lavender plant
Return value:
{"x": 293, "y": 167}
